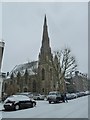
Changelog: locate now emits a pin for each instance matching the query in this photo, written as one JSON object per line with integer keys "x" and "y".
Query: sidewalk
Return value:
{"x": 1, "y": 107}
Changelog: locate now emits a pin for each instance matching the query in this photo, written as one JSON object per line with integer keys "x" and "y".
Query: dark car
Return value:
{"x": 16, "y": 102}
{"x": 55, "y": 97}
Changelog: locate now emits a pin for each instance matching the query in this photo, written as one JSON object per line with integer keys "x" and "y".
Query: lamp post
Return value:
{"x": 1, "y": 56}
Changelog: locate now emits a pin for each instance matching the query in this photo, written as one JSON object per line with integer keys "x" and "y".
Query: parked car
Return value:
{"x": 38, "y": 97}
{"x": 16, "y": 102}
{"x": 87, "y": 92}
{"x": 80, "y": 94}
{"x": 54, "y": 96}
{"x": 71, "y": 96}
{"x": 29, "y": 94}
{"x": 74, "y": 95}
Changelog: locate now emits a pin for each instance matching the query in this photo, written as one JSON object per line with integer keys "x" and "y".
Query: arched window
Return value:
{"x": 50, "y": 73}
{"x": 26, "y": 76}
{"x": 5, "y": 87}
{"x": 34, "y": 86}
{"x": 54, "y": 85}
{"x": 43, "y": 74}
{"x": 42, "y": 89}
{"x": 18, "y": 77}
{"x": 25, "y": 90}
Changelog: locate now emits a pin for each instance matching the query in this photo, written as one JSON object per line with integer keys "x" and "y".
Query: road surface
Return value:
{"x": 76, "y": 108}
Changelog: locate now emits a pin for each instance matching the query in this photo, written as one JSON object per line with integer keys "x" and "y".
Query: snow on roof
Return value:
{"x": 30, "y": 66}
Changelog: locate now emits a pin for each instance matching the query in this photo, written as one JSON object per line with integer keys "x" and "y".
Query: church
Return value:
{"x": 36, "y": 76}
{"x": 41, "y": 76}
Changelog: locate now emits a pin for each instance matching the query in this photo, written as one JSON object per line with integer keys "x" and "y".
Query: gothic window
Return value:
{"x": 25, "y": 89}
{"x": 50, "y": 73}
{"x": 18, "y": 77}
{"x": 26, "y": 76}
{"x": 43, "y": 74}
{"x": 34, "y": 86}
{"x": 43, "y": 90}
{"x": 54, "y": 86}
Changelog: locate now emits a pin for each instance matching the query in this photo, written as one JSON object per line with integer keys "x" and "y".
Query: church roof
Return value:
{"x": 30, "y": 66}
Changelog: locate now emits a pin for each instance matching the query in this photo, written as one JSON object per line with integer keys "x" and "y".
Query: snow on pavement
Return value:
{"x": 1, "y": 106}
{"x": 76, "y": 108}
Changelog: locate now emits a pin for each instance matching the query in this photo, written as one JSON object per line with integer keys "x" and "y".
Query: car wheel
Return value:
{"x": 57, "y": 100}
{"x": 17, "y": 107}
{"x": 33, "y": 104}
{"x": 49, "y": 102}
{"x": 38, "y": 98}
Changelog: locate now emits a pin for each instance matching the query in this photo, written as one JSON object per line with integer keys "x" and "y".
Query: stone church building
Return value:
{"x": 36, "y": 76}
{"x": 41, "y": 76}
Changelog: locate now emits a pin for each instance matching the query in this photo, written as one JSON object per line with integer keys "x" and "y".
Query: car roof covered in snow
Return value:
{"x": 17, "y": 98}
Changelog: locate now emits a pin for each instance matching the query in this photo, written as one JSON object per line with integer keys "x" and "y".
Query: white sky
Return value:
{"x": 22, "y": 25}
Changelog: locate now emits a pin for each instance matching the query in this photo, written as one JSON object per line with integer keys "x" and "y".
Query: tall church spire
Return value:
{"x": 45, "y": 50}
{"x": 45, "y": 62}
{"x": 45, "y": 38}
{"x": 45, "y": 21}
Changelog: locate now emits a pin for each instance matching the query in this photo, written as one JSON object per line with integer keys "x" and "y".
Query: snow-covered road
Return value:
{"x": 77, "y": 108}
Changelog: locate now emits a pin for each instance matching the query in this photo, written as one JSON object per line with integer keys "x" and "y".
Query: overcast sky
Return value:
{"x": 22, "y": 25}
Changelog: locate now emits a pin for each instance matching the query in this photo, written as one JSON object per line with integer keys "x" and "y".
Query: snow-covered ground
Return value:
{"x": 1, "y": 106}
{"x": 77, "y": 108}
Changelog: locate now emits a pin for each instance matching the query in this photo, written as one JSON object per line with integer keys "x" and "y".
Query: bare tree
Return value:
{"x": 66, "y": 64}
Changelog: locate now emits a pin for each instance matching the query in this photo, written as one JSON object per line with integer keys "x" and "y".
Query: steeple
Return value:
{"x": 45, "y": 38}
{"x": 45, "y": 22}
{"x": 45, "y": 50}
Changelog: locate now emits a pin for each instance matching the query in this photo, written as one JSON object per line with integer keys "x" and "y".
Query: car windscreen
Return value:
{"x": 8, "y": 101}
